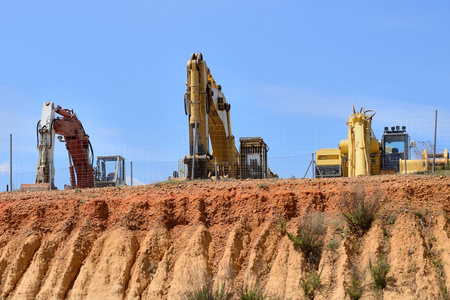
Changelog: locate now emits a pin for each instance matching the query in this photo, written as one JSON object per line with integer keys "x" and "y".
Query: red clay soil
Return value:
{"x": 168, "y": 240}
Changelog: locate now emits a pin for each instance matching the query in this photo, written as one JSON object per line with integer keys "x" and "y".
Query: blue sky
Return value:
{"x": 285, "y": 66}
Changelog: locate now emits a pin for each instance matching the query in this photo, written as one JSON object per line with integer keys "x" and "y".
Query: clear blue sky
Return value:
{"x": 121, "y": 65}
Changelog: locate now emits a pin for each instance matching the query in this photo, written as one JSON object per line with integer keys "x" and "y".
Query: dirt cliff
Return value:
{"x": 166, "y": 240}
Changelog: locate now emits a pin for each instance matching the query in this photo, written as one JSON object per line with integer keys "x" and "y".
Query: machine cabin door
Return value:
{"x": 394, "y": 147}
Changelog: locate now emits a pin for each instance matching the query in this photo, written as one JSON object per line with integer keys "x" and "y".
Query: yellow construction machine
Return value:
{"x": 210, "y": 124}
{"x": 441, "y": 161}
{"x": 362, "y": 154}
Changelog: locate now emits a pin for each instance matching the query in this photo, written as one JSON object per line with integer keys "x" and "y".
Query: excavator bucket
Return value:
{"x": 33, "y": 187}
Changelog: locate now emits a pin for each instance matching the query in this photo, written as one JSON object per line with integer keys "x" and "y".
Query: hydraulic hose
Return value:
{"x": 372, "y": 115}
{"x": 37, "y": 134}
{"x": 92, "y": 153}
{"x": 51, "y": 135}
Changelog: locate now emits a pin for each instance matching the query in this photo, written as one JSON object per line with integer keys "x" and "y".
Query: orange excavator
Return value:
{"x": 71, "y": 132}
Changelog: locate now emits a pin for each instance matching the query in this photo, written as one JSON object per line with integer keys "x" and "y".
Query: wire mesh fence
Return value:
{"x": 156, "y": 153}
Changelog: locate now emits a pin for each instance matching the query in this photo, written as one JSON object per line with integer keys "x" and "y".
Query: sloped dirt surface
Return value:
{"x": 166, "y": 240}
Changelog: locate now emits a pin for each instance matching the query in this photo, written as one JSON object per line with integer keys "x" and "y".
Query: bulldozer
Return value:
{"x": 110, "y": 170}
{"x": 212, "y": 149}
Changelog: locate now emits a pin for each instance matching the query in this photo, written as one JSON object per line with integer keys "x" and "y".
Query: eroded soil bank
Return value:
{"x": 166, "y": 240}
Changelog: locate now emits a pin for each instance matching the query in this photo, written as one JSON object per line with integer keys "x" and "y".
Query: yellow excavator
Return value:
{"x": 210, "y": 124}
{"x": 362, "y": 154}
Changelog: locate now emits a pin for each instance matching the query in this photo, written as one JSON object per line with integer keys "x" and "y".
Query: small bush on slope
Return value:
{"x": 359, "y": 210}
{"x": 207, "y": 293}
{"x": 354, "y": 291}
{"x": 252, "y": 294}
{"x": 311, "y": 231}
{"x": 379, "y": 272}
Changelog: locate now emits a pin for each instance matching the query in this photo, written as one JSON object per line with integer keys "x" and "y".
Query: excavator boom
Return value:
{"x": 110, "y": 170}
{"x": 209, "y": 121}
{"x": 78, "y": 146}
{"x": 71, "y": 132}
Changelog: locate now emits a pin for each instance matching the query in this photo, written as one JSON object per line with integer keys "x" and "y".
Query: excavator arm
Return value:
{"x": 45, "y": 170}
{"x": 209, "y": 121}
{"x": 77, "y": 142}
{"x": 79, "y": 148}
{"x": 222, "y": 139}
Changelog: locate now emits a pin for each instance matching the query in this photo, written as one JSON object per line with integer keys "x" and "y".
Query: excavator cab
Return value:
{"x": 394, "y": 146}
{"x": 110, "y": 171}
{"x": 253, "y": 158}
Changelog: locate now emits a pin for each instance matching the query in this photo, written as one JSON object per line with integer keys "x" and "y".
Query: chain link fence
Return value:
{"x": 156, "y": 153}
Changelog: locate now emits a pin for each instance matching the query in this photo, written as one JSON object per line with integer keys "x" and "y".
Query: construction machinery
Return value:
{"x": 363, "y": 154}
{"x": 359, "y": 154}
{"x": 253, "y": 158}
{"x": 71, "y": 132}
{"x": 395, "y": 146}
{"x": 441, "y": 161}
{"x": 110, "y": 171}
{"x": 396, "y": 158}
{"x": 210, "y": 124}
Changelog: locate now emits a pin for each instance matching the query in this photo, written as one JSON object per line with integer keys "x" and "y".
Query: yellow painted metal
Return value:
{"x": 196, "y": 90}
{"x": 328, "y": 157}
{"x": 330, "y": 162}
{"x": 361, "y": 148}
{"x": 425, "y": 164}
{"x": 207, "y": 106}
{"x": 359, "y": 154}
{"x": 413, "y": 165}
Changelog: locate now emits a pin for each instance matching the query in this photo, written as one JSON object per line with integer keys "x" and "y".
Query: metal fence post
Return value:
{"x": 215, "y": 168}
{"x": 10, "y": 162}
{"x": 131, "y": 171}
{"x": 406, "y": 172}
{"x": 434, "y": 146}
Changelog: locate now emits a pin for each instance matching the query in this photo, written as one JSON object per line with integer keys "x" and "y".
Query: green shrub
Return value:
{"x": 379, "y": 272}
{"x": 354, "y": 291}
{"x": 264, "y": 186}
{"x": 169, "y": 182}
{"x": 311, "y": 284}
{"x": 307, "y": 289}
{"x": 391, "y": 220}
{"x": 315, "y": 280}
{"x": 359, "y": 210}
{"x": 333, "y": 245}
{"x": 309, "y": 239}
{"x": 443, "y": 291}
{"x": 252, "y": 294}
{"x": 207, "y": 293}
{"x": 282, "y": 227}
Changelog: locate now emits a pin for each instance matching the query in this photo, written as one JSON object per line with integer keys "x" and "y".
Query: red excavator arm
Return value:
{"x": 78, "y": 146}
